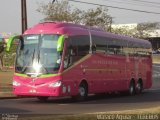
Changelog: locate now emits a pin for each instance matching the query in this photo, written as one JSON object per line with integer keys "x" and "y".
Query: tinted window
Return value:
{"x": 80, "y": 45}
{"x": 99, "y": 43}
{"x": 77, "y": 48}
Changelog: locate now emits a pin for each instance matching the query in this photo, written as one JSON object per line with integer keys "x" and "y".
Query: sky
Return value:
{"x": 10, "y": 12}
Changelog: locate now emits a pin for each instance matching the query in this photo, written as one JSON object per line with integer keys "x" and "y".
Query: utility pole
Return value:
{"x": 23, "y": 15}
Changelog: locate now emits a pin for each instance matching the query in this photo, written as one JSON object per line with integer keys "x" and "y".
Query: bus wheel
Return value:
{"x": 132, "y": 88}
{"x": 82, "y": 92}
{"x": 42, "y": 98}
{"x": 139, "y": 87}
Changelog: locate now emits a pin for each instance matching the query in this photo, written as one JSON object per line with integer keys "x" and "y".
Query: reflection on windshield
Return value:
{"x": 40, "y": 49}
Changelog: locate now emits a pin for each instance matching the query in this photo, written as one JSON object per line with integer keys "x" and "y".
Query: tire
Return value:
{"x": 82, "y": 93}
{"x": 139, "y": 87}
{"x": 42, "y": 99}
{"x": 131, "y": 89}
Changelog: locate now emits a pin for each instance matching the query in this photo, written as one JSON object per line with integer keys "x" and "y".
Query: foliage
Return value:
{"x": 7, "y": 57}
{"x": 124, "y": 31}
{"x": 61, "y": 11}
{"x": 142, "y": 30}
{"x": 97, "y": 17}
{"x": 148, "y": 26}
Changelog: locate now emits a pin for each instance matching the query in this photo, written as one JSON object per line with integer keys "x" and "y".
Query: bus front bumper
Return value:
{"x": 28, "y": 90}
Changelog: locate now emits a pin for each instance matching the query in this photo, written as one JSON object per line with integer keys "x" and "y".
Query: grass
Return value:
{"x": 6, "y": 77}
{"x": 6, "y": 84}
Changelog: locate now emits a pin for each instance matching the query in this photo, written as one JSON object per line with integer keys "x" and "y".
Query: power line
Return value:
{"x": 155, "y": 6}
{"x": 116, "y": 7}
{"x": 146, "y": 1}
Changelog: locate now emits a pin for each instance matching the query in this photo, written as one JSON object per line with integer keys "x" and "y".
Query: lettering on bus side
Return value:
{"x": 105, "y": 62}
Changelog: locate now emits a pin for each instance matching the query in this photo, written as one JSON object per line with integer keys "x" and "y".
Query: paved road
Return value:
{"x": 149, "y": 98}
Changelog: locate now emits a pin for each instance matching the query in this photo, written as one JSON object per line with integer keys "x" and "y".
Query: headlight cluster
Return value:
{"x": 55, "y": 84}
{"x": 15, "y": 83}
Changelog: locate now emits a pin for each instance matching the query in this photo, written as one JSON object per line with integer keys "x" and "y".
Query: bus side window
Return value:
{"x": 110, "y": 49}
{"x": 70, "y": 53}
{"x": 99, "y": 44}
{"x": 81, "y": 46}
{"x": 109, "y": 46}
{"x": 94, "y": 48}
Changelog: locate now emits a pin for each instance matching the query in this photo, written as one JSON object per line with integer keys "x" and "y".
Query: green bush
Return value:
{"x": 8, "y": 57}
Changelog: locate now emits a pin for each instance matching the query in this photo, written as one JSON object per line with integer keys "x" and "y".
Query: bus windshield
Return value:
{"x": 38, "y": 55}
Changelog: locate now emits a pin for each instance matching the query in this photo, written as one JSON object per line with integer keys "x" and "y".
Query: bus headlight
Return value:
{"x": 55, "y": 84}
{"x": 15, "y": 83}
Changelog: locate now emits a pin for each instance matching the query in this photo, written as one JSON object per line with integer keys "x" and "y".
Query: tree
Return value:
{"x": 142, "y": 30}
{"x": 7, "y": 58}
{"x": 147, "y": 29}
{"x": 97, "y": 17}
{"x": 124, "y": 30}
{"x": 59, "y": 11}
{"x": 62, "y": 11}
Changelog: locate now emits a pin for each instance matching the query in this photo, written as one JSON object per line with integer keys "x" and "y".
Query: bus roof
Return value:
{"x": 59, "y": 28}
{"x": 72, "y": 29}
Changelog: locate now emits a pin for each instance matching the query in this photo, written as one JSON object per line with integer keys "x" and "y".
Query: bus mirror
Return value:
{"x": 22, "y": 42}
{"x": 60, "y": 43}
{"x": 11, "y": 39}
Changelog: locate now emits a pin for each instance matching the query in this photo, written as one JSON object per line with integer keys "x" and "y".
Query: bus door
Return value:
{"x": 69, "y": 71}
{"x": 76, "y": 52}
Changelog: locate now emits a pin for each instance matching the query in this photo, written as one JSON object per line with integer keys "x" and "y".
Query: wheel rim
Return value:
{"x": 139, "y": 87}
{"x": 132, "y": 88}
{"x": 82, "y": 91}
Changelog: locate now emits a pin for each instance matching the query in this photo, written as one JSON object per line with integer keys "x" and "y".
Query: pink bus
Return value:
{"x": 57, "y": 59}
